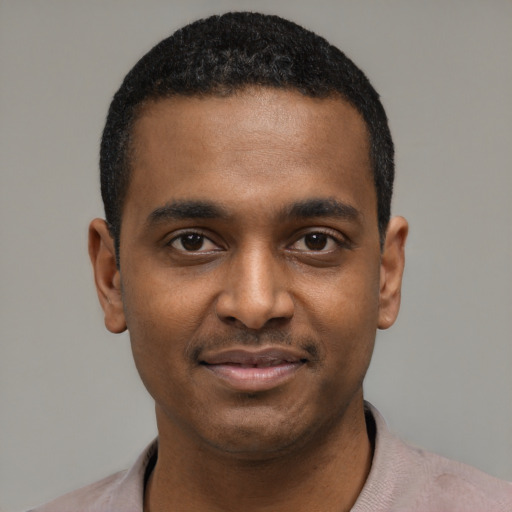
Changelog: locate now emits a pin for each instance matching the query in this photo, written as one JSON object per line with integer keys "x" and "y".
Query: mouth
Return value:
{"x": 254, "y": 370}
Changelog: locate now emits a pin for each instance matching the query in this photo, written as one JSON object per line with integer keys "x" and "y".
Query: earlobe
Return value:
{"x": 106, "y": 275}
{"x": 391, "y": 271}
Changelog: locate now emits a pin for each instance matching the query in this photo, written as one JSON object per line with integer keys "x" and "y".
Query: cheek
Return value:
{"x": 162, "y": 315}
{"x": 164, "y": 302}
{"x": 345, "y": 315}
{"x": 348, "y": 298}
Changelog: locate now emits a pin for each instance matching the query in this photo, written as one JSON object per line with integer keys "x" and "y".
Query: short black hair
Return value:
{"x": 221, "y": 55}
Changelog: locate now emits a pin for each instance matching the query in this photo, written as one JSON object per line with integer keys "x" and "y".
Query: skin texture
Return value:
{"x": 250, "y": 223}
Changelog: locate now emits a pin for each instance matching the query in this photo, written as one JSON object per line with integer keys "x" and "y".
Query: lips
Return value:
{"x": 254, "y": 370}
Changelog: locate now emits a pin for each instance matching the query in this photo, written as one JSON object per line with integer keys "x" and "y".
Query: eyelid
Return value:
{"x": 338, "y": 238}
{"x": 192, "y": 231}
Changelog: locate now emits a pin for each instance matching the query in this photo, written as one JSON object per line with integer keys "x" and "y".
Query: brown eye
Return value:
{"x": 193, "y": 242}
{"x": 316, "y": 241}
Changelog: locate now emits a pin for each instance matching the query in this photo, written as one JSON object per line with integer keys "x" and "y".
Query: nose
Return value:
{"x": 255, "y": 292}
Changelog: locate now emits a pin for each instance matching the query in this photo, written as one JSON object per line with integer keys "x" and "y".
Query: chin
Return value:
{"x": 249, "y": 445}
{"x": 258, "y": 436}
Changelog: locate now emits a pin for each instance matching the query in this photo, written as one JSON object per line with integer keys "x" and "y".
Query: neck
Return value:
{"x": 326, "y": 473}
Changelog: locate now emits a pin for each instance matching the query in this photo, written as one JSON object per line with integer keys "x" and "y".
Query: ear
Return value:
{"x": 391, "y": 271}
{"x": 106, "y": 275}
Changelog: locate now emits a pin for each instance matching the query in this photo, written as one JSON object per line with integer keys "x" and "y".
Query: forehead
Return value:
{"x": 255, "y": 111}
{"x": 258, "y": 139}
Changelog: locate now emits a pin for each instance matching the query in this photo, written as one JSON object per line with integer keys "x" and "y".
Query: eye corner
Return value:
{"x": 193, "y": 242}
{"x": 319, "y": 241}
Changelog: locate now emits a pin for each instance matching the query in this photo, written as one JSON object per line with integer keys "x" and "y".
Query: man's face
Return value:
{"x": 250, "y": 266}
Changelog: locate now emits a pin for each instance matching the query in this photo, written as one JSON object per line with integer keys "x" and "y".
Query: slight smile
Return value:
{"x": 249, "y": 370}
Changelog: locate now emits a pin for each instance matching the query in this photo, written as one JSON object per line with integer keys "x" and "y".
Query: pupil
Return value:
{"x": 192, "y": 242}
{"x": 316, "y": 241}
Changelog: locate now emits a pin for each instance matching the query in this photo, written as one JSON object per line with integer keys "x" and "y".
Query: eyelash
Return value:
{"x": 203, "y": 236}
{"x": 336, "y": 238}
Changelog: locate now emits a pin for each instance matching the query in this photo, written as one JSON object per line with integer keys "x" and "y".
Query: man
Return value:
{"x": 247, "y": 171}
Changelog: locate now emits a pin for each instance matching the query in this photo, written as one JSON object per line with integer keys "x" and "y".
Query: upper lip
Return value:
{"x": 246, "y": 356}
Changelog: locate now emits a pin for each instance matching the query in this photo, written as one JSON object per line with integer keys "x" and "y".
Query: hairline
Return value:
{"x": 221, "y": 91}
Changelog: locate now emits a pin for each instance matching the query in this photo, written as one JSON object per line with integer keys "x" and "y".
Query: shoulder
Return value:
{"x": 442, "y": 483}
{"x": 95, "y": 496}
{"x": 120, "y": 492}
{"x": 406, "y": 478}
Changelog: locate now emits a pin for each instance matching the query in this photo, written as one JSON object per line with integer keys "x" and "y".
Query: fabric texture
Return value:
{"x": 402, "y": 479}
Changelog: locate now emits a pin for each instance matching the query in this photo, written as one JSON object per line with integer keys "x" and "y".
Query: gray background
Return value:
{"x": 72, "y": 408}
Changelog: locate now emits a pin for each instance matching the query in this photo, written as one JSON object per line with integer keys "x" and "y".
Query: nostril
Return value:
{"x": 231, "y": 320}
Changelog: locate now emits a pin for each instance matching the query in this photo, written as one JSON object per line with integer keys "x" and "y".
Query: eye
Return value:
{"x": 193, "y": 242}
{"x": 317, "y": 242}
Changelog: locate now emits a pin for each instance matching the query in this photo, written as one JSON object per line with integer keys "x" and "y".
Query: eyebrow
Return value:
{"x": 179, "y": 210}
{"x": 320, "y": 207}
{"x": 309, "y": 208}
